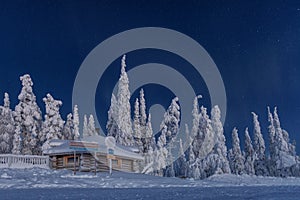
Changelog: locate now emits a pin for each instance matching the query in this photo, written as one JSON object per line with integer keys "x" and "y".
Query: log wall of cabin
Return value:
{"x": 86, "y": 162}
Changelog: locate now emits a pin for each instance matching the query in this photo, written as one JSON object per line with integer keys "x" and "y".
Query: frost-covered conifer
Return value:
{"x": 143, "y": 115}
{"x": 149, "y": 140}
{"x": 249, "y": 154}
{"x": 259, "y": 148}
{"x": 221, "y": 163}
{"x": 137, "y": 126}
{"x": 85, "y": 127}
{"x": 91, "y": 126}
{"x": 76, "y": 123}
{"x": 272, "y": 145}
{"x": 28, "y": 120}
{"x": 7, "y": 127}
{"x": 171, "y": 119}
{"x": 284, "y": 158}
{"x": 68, "y": 130}
{"x": 125, "y": 134}
{"x": 238, "y": 159}
{"x": 53, "y": 124}
{"x": 111, "y": 126}
{"x": 206, "y": 130}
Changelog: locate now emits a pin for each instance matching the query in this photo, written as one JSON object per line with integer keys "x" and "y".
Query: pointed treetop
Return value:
{"x": 276, "y": 118}
{"x": 123, "y": 64}
{"x": 6, "y": 100}
{"x": 26, "y": 80}
{"x": 270, "y": 116}
{"x": 247, "y": 133}
{"x": 216, "y": 113}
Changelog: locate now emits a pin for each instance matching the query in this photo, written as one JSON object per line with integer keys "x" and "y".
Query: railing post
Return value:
{"x": 9, "y": 160}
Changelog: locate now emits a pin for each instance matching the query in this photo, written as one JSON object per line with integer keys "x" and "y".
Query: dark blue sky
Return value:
{"x": 256, "y": 46}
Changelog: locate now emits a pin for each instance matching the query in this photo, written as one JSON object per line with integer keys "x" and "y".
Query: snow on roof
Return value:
{"x": 63, "y": 146}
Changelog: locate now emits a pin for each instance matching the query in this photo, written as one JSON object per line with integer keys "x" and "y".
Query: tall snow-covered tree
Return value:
{"x": 124, "y": 136}
{"x": 91, "y": 126}
{"x": 28, "y": 119}
{"x": 238, "y": 159}
{"x": 249, "y": 154}
{"x": 53, "y": 124}
{"x": 272, "y": 145}
{"x": 206, "y": 130}
{"x": 112, "y": 126}
{"x": 171, "y": 119}
{"x": 284, "y": 158}
{"x": 259, "y": 148}
{"x": 137, "y": 126}
{"x": 85, "y": 127}
{"x": 68, "y": 130}
{"x": 76, "y": 123}
{"x": 143, "y": 115}
{"x": 198, "y": 136}
{"x": 7, "y": 127}
{"x": 221, "y": 163}
{"x": 203, "y": 145}
{"x": 149, "y": 139}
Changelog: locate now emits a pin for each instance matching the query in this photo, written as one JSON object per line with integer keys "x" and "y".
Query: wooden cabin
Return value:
{"x": 62, "y": 156}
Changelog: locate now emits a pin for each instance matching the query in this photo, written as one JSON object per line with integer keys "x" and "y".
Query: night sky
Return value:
{"x": 255, "y": 45}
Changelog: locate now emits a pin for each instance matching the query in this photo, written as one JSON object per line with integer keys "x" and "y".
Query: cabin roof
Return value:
{"x": 63, "y": 147}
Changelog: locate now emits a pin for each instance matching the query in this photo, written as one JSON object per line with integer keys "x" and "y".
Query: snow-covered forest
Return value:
{"x": 23, "y": 130}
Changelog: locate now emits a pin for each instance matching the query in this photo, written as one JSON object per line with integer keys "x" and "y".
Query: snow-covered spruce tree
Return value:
{"x": 221, "y": 162}
{"x": 85, "y": 127}
{"x": 205, "y": 127}
{"x": 53, "y": 125}
{"x": 272, "y": 145}
{"x": 285, "y": 135}
{"x": 181, "y": 163}
{"x": 206, "y": 140}
{"x": 149, "y": 148}
{"x": 249, "y": 154}
{"x": 137, "y": 126}
{"x": 76, "y": 123}
{"x": 111, "y": 126}
{"x": 149, "y": 139}
{"x": 28, "y": 120}
{"x": 284, "y": 158}
{"x": 171, "y": 119}
{"x": 68, "y": 130}
{"x": 142, "y": 109}
{"x": 197, "y": 136}
{"x": 238, "y": 159}
{"x": 124, "y": 136}
{"x": 7, "y": 127}
{"x": 91, "y": 126}
{"x": 259, "y": 148}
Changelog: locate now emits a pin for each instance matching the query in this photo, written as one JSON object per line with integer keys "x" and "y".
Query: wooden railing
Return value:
{"x": 23, "y": 161}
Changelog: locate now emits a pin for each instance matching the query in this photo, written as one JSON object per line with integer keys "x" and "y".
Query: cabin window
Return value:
{"x": 115, "y": 162}
{"x": 69, "y": 160}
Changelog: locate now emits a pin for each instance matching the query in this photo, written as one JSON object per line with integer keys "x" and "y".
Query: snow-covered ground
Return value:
{"x": 62, "y": 184}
